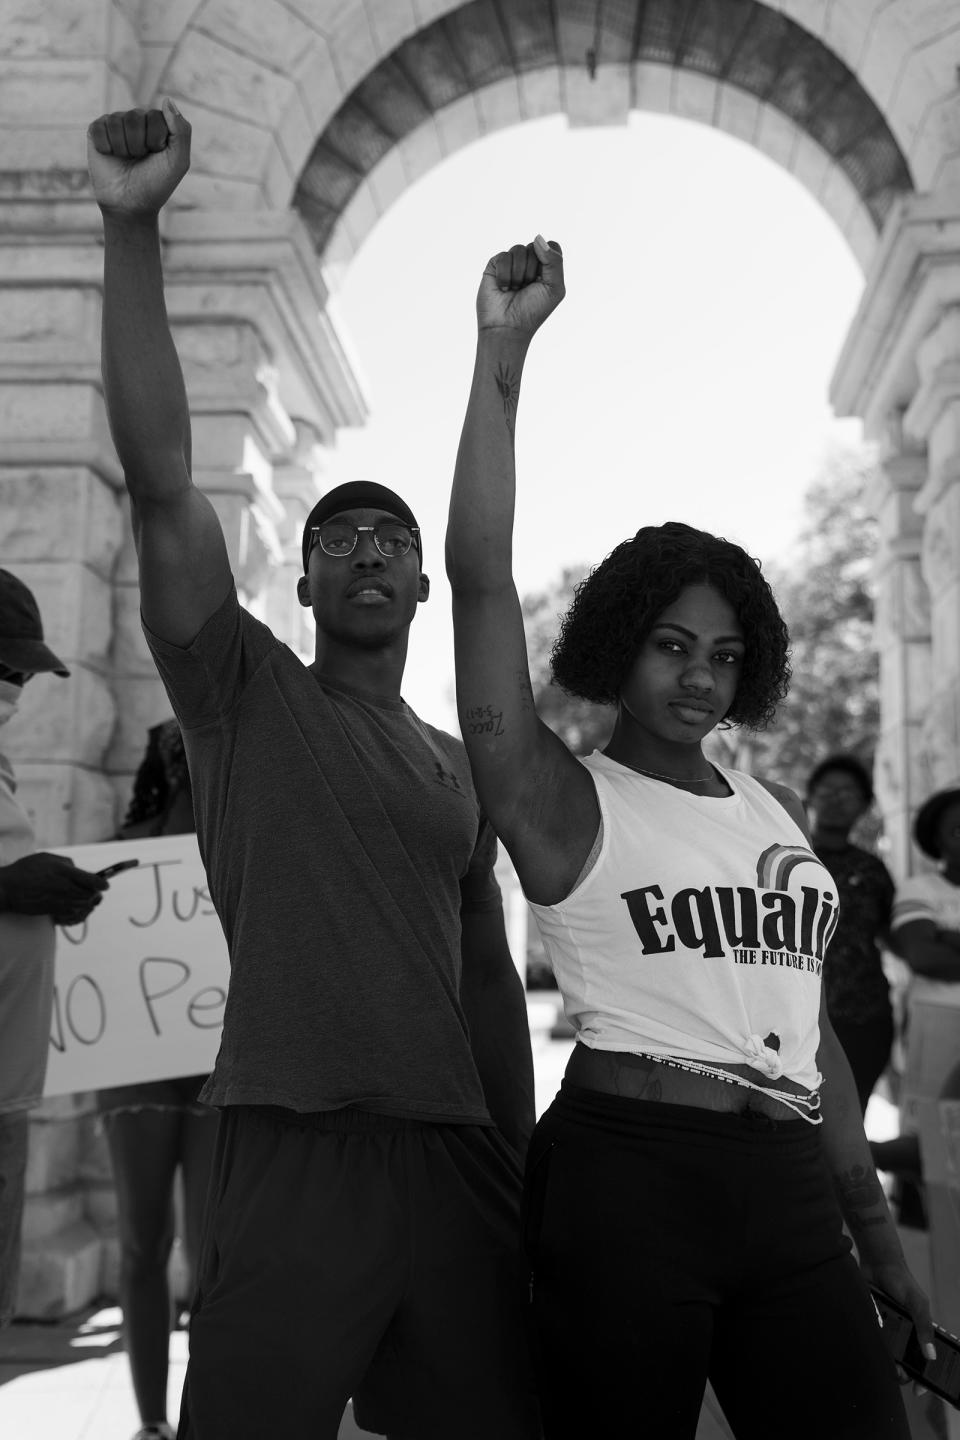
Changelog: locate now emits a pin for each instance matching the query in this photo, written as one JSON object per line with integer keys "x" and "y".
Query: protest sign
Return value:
{"x": 141, "y": 985}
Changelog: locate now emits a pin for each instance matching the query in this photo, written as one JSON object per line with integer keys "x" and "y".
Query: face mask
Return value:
{"x": 9, "y": 700}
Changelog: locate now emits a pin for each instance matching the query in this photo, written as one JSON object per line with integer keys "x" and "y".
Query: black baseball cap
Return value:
{"x": 22, "y": 645}
{"x": 355, "y": 495}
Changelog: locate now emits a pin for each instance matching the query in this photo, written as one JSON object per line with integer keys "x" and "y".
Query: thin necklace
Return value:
{"x": 677, "y": 779}
{"x": 653, "y": 773}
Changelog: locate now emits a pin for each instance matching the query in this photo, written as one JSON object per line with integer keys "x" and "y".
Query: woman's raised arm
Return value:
{"x": 540, "y": 800}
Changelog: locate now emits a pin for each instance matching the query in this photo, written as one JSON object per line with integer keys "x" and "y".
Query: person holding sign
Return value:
{"x": 375, "y": 1075}
{"x": 37, "y": 892}
{"x": 155, "y": 1128}
{"x": 686, "y": 1190}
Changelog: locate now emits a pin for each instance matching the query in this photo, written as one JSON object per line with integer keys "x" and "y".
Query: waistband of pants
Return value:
{"x": 349, "y": 1120}
{"x": 625, "y": 1118}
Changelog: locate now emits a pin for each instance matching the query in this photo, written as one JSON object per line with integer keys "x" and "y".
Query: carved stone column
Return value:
{"x": 902, "y": 357}
{"x": 902, "y": 635}
{"x": 60, "y": 521}
{"x": 935, "y": 414}
{"x": 60, "y": 511}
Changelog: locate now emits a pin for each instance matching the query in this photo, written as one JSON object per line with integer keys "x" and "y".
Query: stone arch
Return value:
{"x": 738, "y": 65}
{"x": 653, "y": 88}
{"x": 291, "y": 97}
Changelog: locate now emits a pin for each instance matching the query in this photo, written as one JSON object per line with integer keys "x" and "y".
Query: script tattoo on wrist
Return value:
{"x": 508, "y": 385}
{"x": 858, "y": 1190}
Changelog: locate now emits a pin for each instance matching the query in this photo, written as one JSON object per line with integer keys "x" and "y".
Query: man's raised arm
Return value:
{"x": 137, "y": 158}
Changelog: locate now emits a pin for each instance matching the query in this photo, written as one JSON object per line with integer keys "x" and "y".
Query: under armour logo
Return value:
{"x": 448, "y": 779}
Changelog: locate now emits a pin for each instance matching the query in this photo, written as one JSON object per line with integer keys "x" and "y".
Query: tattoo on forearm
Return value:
{"x": 859, "y": 1190}
{"x": 484, "y": 720}
{"x": 508, "y": 384}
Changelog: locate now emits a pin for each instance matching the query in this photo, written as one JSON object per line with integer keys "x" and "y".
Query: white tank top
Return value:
{"x": 699, "y": 933}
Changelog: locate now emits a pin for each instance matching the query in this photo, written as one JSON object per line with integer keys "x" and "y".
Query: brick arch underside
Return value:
{"x": 738, "y": 44}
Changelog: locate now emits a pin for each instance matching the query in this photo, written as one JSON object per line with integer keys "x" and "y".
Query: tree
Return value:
{"x": 826, "y": 595}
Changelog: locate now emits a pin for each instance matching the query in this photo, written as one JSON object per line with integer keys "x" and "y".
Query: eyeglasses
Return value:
{"x": 339, "y": 537}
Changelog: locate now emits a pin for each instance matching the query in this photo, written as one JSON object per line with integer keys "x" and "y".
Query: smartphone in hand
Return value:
{"x": 941, "y": 1375}
{"x": 112, "y": 870}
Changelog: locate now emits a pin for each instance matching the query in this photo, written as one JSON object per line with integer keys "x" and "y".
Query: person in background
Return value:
{"x": 839, "y": 793}
{"x": 154, "y": 1129}
{"x": 926, "y": 929}
{"x": 37, "y": 892}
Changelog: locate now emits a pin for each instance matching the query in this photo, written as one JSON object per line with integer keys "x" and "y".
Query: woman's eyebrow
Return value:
{"x": 690, "y": 635}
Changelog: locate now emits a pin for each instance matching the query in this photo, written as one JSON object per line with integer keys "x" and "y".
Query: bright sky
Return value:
{"x": 684, "y": 377}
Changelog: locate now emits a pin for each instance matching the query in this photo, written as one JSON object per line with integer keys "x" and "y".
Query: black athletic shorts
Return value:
{"x": 354, "y": 1254}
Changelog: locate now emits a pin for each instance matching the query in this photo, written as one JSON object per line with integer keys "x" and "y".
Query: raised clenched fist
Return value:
{"x": 520, "y": 287}
{"x": 137, "y": 158}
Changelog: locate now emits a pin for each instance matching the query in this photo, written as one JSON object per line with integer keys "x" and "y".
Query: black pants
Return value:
{"x": 358, "y": 1254}
{"x": 669, "y": 1244}
{"x": 867, "y": 1047}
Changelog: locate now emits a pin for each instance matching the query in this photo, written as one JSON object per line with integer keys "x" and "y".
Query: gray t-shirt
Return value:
{"x": 340, "y": 835}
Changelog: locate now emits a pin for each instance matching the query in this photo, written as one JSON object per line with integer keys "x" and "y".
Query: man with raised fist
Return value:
{"x": 374, "y": 1075}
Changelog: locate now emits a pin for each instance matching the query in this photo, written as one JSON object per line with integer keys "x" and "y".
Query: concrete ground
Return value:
{"x": 69, "y": 1380}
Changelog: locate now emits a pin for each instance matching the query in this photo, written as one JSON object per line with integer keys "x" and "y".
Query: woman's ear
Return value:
{"x": 303, "y": 591}
{"x": 424, "y": 590}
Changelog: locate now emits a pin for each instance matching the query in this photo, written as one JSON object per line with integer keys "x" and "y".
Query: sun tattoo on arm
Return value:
{"x": 508, "y": 385}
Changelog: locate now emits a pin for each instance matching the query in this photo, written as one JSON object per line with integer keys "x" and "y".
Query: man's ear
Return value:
{"x": 424, "y": 591}
{"x": 303, "y": 591}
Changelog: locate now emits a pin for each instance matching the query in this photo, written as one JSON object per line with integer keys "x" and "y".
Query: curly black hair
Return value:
{"x": 162, "y": 770}
{"x": 615, "y": 607}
